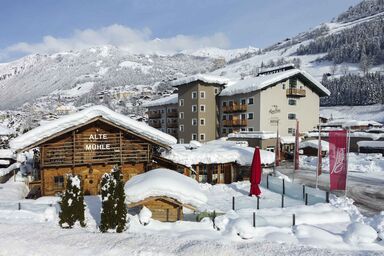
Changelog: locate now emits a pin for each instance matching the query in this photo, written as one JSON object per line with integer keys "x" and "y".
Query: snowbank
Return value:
{"x": 217, "y": 151}
{"x": 164, "y": 182}
{"x": 315, "y": 144}
{"x": 200, "y": 77}
{"x": 358, "y": 233}
{"x": 5, "y": 171}
{"x": 5, "y": 131}
{"x": 84, "y": 116}
{"x": 6, "y": 154}
{"x": 172, "y": 99}
{"x": 254, "y": 135}
{"x": 370, "y": 144}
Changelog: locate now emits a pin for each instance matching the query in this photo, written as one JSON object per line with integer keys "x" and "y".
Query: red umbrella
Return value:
{"x": 255, "y": 173}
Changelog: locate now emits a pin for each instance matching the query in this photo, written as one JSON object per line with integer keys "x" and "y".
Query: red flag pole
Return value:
{"x": 296, "y": 162}
{"x": 348, "y": 148}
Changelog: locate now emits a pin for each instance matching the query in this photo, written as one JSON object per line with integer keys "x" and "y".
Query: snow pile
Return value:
{"x": 356, "y": 162}
{"x": 263, "y": 81}
{"x": 346, "y": 204}
{"x": 5, "y": 171}
{"x": 317, "y": 237}
{"x": 11, "y": 191}
{"x": 358, "y": 233}
{"x": 171, "y": 99}
{"x": 164, "y": 182}
{"x": 200, "y": 77}
{"x": 315, "y": 144}
{"x": 241, "y": 227}
{"x": 217, "y": 151}
{"x": 145, "y": 215}
{"x": 66, "y": 122}
{"x": 371, "y": 112}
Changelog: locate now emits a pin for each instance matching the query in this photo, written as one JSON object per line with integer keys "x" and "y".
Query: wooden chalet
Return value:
{"x": 89, "y": 144}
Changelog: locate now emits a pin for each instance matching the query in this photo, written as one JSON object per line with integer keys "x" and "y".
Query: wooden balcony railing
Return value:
{"x": 172, "y": 114}
{"x": 293, "y": 92}
{"x": 172, "y": 125}
{"x": 235, "y": 108}
{"x": 235, "y": 122}
{"x": 154, "y": 115}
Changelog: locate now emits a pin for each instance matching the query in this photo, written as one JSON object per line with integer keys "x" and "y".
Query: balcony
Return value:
{"x": 235, "y": 108}
{"x": 293, "y": 92}
{"x": 154, "y": 115}
{"x": 235, "y": 122}
{"x": 156, "y": 125}
{"x": 172, "y": 125}
{"x": 173, "y": 114}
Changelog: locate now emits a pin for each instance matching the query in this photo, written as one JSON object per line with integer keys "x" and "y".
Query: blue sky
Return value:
{"x": 47, "y": 26}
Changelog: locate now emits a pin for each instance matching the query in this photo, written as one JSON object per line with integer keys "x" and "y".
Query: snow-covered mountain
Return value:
{"x": 324, "y": 50}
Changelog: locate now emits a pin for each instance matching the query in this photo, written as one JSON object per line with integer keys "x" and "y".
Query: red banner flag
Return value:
{"x": 277, "y": 148}
{"x": 338, "y": 147}
{"x": 297, "y": 145}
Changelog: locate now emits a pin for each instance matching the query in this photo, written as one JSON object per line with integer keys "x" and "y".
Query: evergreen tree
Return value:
{"x": 72, "y": 204}
{"x": 107, "y": 203}
{"x": 121, "y": 208}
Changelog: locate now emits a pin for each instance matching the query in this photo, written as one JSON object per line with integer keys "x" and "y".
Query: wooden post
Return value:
{"x": 19, "y": 206}
{"x": 218, "y": 173}
{"x": 293, "y": 219}
{"x": 306, "y": 198}
{"x": 254, "y": 219}
{"x": 258, "y": 203}
{"x": 233, "y": 203}
{"x": 167, "y": 215}
{"x": 197, "y": 173}
{"x": 283, "y": 186}
{"x": 267, "y": 181}
{"x": 178, "y": 213}
{"x": 327, "y": 196}
{"x": 282, "y": 201}
{"x": 303, "y": 191}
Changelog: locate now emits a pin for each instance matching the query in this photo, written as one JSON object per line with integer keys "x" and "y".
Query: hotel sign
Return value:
{"x": 274, "y": 110}
{"x": 97, "y": 142}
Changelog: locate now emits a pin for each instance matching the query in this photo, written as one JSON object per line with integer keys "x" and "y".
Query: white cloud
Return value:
{"x": 138, "y": 41}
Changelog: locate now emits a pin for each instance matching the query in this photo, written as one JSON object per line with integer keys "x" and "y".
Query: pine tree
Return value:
{"x": 72, "y": 204}
{"x": 121, "y": 209}
{"x": 107, "y": 203}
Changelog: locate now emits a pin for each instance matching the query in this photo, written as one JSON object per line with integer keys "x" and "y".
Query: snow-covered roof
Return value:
{"x": 288, "y": 139}
{"x": 171, "y": 99}
{"x": 254, "y": 135}
{"x": 5, "y": 130}
{"x": 371, "y": 144}
{"x": 210, "y": 79}
{"x": 33, "y": 137}
{"x": 263, "y": 81}
{"x": 373, "y": 136}
{"x": 347, "y": 123}
{"x": 164, "y": 182}
{"x": 216, "y": 152}
{"x": 315, "y": 144}
{"x": 6, "y": 154}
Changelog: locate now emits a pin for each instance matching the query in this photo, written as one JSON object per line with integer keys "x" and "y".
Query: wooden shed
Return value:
{"x": 90, "y": 143}
{"x": 163, "y": 208}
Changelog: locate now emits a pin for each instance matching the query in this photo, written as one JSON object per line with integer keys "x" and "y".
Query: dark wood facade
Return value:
{"x": 90, "y": 151}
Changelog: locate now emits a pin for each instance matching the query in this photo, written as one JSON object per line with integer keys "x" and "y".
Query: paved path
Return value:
{"x": 367, "y": 189}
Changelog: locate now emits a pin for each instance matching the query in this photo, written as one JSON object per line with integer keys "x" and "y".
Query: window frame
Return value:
{"x": 181, "y": 115}
{"x": 181, "y": 102}
{"x": 291, "y": 116}
{"x": 202, "y": 134}
{"x": 181, "y": 128}
{"x": 194, "y": 122}
{"x": 194, "y": 95}
{"x": 202, "y": 94}
{"x": 194, "y": 136}
{"x": 202, "y": 108}
{"x": 196, "y": 109}
{"x": 250, "y": 114}
{"x": 202, "y": 124}
{"x": 249, "y": 100}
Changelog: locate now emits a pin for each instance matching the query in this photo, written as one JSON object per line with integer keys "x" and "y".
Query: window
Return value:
{"x": 230, "y": 103}
{"x": 224, "y": 117}
{"x": 181, "y": 102}
{"x": 242, "y": 101}
{"x": 291, "y": 116}
{"x": 283, "y": 86}
{"x": 293, "y": 82}
{"x": 216, "y": 91}
{"x": 162, "y": 111}
{"x": 250, "y": 115}
{"x": 162, "y": 121}
{"x": 194, "y": 121}
{"x": 250, "y": 129}
{"x": 230, "y": 117}
{"x": 202, "y": 136}
{"x": 243, "y": 116}
{"x": 168, "y": 130}
{"x": 194, "y": 108}
{"x": 243, "y": 129}
{"x": 181, "y": 127}
{"x": 224, "y": 130}
{"x": 59, "y": 182}
{"x": 194, "y": 136}
{"x": 292, "y": 131}
{"x": 230, "y": 130}
{"x": 202, "y": 121}
{"x": 168, "y": 110}
{"x": 202, "y": 95}
{"x": 202, "y": 108}
{"x": 250, "y": 101}
{"x": 291, "y": 102}
{"x": 224, "y": 103}
{"x": 194, "y": 95}
{"x": 181, "y": 141}
{"x": 181, "y": 115}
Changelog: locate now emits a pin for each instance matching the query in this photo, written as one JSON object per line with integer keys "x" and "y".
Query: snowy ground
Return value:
{"x": 371, "y": 112}
{"x": 320, "y": 229}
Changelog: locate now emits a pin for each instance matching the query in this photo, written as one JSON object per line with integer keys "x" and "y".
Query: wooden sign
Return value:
{"x": 98, "y": 142}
